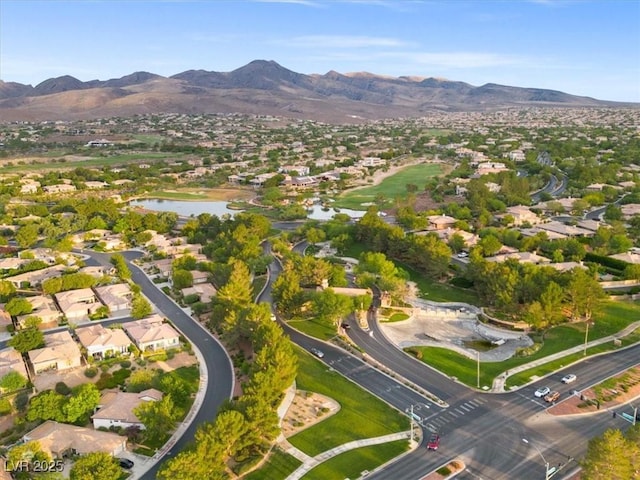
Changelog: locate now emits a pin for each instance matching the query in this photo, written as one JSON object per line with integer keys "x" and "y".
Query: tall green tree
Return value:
{"x": 95, "y": 466}
{"x": 27, "y": 339}
{"x": 611, "y": 457}
{"x": 584, "y": 294}
{"x": 83, "y": 401}
{"x": 140, "y": 307}
{"x": 158, "y": 417}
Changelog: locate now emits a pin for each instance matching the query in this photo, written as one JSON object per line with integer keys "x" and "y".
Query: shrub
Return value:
{"x": 5, "y": 406}
{"x": 91, "y": 372}
{"x": 444, "y": 471}
{"x": 106, "y": 381}
{"x": 119, "y": 376}
{"x": 63, "y": 389}
{"x": 21, "y": 401}
{"x": 125, "y": 364}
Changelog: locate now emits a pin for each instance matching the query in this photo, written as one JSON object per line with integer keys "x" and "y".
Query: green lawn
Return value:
{"x": 278, "y": 467}
{"x": 186, "y": 196}
{"x": 613, "y": 317}
{"x": 435, "y": 291}
{"x": 430, "y": 289}
{"x": 315, "y": 328}
{"x": 352, "y": 463}
{"x": 391, "y": 187}
{"x": 361, "y": 414}
{"x": 48, "y": 164}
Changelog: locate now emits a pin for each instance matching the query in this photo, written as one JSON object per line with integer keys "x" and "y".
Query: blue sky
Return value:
{"x": 578, "y": 46}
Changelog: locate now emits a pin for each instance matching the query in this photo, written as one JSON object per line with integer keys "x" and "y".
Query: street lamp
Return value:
{"x": 586, "y": 337}
{"x": 546, "y": 464}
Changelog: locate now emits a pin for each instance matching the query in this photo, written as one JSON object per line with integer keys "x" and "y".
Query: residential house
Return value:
{"x": 629, "y": 257}
{"x": 36, "y": 277}
{"x": 96, "y": 271}
{"x": 11, "y": 263}
{"x": 522, "y": 215}
{"x": 116, "y": 409}
{"x": 11, "y": 361}
{"x": 563, "y": 229}
{"x": 152, "y": 333}
{"x": 95, "y": 185}
{"x": 441, "y": 222}
{"x": 199, "y": 277}
{"x": 521, "y": 257}
{"x": 44, "y": 308}
{"x": 204, "y": 291}
{"x": 5, "y": 320}
{"x": 60, "y": 352}
{"x": 490, "y": 167}
{"x": 301, "y": 170}
{"x": 629, "y": 210}
{"x": 60, "y": 188}
{"x": 78, "y": 304}
{"x": 117, "y": 296}
{"x": 30, "y": 186}
{"x": 62, "y": 440}
{"x": 101, "y": 342}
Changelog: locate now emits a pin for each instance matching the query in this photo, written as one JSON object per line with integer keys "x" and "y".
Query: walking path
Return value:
{"x": 312, "y": 462}
{"x": 500, "y": 380}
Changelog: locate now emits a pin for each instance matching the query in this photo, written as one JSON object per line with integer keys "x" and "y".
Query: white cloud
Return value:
{"x": 343, "y": 41}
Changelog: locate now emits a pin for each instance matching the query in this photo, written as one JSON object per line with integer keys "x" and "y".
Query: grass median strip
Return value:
{"x": 351, "y": 464}
{"x": 361, "y": 415}
{"x": 278, "y": 467}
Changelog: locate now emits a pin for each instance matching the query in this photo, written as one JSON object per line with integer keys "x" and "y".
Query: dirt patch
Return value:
{"x": 307, "y": 409}
{"x": 453, "y": 467}
{"x": 181, "y": 359}
{"x": 575, "y": 405}
{"x": 72, "y": 378}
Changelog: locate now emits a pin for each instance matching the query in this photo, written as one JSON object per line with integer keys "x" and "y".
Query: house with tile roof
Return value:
{"x": 116, "y": 296}
{"x": 101, "y": 342}
{"x": 62, "y": 440}
{"x": 60, "y": 352}
{"x": 78, "y": 304}
{"x": 152, "y": 333}
{"x": 116, "y": 409}
{"x": 11, "y": 361}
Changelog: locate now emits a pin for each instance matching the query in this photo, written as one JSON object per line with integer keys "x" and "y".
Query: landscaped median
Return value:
{"x": 361, "y": 416}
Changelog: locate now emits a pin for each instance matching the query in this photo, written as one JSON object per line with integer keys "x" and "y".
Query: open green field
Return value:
{"x": 391, "y": 187}
{"x": 613, "y": 317}
{"x": 279, "y": 466}
{"x": 33, "y": 164}
{"x": 200, "y": 194}
{"x": 361, "y": 414}
{"x": 352, "y": 463}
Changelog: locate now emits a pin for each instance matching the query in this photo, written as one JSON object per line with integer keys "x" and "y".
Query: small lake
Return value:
{"x": 219, "y": 208}
{"x": 184, "y": 208}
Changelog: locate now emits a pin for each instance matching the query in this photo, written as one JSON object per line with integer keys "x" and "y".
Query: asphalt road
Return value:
{"x": 220, "y": 371}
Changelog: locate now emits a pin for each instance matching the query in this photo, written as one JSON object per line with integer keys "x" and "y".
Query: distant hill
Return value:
{"x": 267, "y": 88}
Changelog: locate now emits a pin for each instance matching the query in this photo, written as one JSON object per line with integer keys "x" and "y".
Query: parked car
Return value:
{"x": 273, "y": 317}
{"x": 125, "y": 463}
{"x": 346, "y": 326}
{"x": 463, "y": 255}
{"x": 316, "y": 352}
{"x": 552, "y": 397}
{"x": 434, "y": 442}
{"x": 542, "y": 391}
{"x": 569, "y": 378}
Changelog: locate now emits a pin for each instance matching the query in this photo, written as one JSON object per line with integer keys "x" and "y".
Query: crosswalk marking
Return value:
{"x": 466, "y": 409}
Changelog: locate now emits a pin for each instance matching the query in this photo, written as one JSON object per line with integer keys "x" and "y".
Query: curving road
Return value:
{"x": 486, "y": 430}
{"x": 220, "y": 379}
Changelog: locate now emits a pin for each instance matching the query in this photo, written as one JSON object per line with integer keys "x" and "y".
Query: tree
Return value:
{"x": 27, "y": 235}
{"x": 13, "y": 381}
{"x": 611, "y": 457}
{"x": 237, "y": 291}
{"x": 27, "y": 452}
{"x": 83, "y": 401}
{"x": 18, "y": 306}
{"x": 182, "y": 279}
{"x": 7, "y": 290}
{"x": 26, "y": 340}
{"x": 332, "y": 306}
{"x": 140, "y": 307}
{"x": 158, "y": 417}
{"x": 47, "y": 406}
{"x": 584, "y": 294}
{"x": 490, "y": 245}
{"x": 95, "y": 466}
{"x": 122, "y": 269}
{"x": 456, "y": 242}
{"x": 315, "y": 235}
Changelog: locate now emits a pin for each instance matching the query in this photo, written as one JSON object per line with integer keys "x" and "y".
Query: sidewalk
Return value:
{"x": 500, "y": 380}
{"x": 312, "y": 462}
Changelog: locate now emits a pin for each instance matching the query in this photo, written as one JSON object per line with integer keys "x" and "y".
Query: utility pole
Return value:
{"x": 586, "y": 336}
{"x": 478, "y": 369}
{"x": 546, "y": 464}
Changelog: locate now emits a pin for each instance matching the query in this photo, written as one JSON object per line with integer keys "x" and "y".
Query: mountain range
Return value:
{"x": 267, "y": 88}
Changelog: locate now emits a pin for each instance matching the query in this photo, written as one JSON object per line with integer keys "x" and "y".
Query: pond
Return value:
{"x": 219, "y": 208}
{"x": 184, "y": 208}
